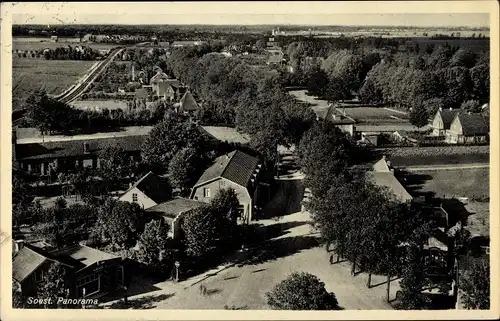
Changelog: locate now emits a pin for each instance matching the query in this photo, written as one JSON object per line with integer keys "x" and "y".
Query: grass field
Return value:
{"x": 437, "y": 155}
{"x": 55, "y": 76}
{"x": 471, "y": 183}
{"x": 99, "y": 104}
{"x": 478, "y": 223}
{"x": 373, "y": 114}
{"x": 24, "y": 44}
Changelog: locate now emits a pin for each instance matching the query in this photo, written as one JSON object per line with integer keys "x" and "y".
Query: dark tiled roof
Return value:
{"x": 160, "y": 76}
{"x": 387, "y": 179}
{"x": 175, "y": 207}
{"x": 153, "y": 187}
{"x": 25, "y": 262}
{"x": 81, "y": 256}
{"x": 447, "y": 116}
{"x": 75, "y": 147}
{"x": 473, "y": 124}
{"x": 236, "y": 166}
{"x": 188, "y": 103}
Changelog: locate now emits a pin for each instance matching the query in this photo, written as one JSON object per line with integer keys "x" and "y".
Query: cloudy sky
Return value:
{"x": 311, "y": 13}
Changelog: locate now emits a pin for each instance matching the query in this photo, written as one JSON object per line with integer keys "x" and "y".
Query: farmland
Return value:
{"x": 437, "y": 155}
{"x": 471, "y": 183}
{"x": 55, "y": 76}
{"x": 99, "y": 104}
{"x": 24, "y": 44}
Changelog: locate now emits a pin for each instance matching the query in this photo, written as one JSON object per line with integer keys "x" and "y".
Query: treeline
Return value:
{"x": 52, "y": 116}
{"x": 70, "y": 53}
{"x": 234, "y": 92}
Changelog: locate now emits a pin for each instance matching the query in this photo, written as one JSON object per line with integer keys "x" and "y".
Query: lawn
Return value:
{"x": 55, "y": 76}
{"x": 471, "y": 183}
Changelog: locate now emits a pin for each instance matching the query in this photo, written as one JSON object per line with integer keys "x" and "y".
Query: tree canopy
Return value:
{"x": 301, "y": 291}
{"x": 476, "y": 285}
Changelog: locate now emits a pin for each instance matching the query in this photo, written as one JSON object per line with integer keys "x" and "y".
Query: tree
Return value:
{"x": 201, "y": 231}
{"x": 185, "y": 168}
{"x": 55, "y": 284}
{"x": 317, "y": 82}
{"x": 413, "y": 276}
{"x": 114, "y": 163}
{"x": 419, "y": 116}
{"x": 170, "y": 136}
{"x": 324, "y": 151}
{"x": 301, "y": 291}
{"x": 480, "y": 78}
{"x": 155, "y": 247}
{"x": 471, "y": 106}
{"x": 476, "y": 285}
{"x": 464, "y": 58}
{"x": 18, "y": 300}
{"x": 226, "y": 202}
{"x": 119, "y": 223}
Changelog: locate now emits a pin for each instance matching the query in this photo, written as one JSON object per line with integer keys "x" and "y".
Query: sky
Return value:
{"x": 246, "y": 13}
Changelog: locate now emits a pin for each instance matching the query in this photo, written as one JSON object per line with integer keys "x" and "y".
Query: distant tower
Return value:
{"x": 133, "y": 72}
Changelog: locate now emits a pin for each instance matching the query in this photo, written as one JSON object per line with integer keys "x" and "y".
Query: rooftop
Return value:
{"x": 473, "y": 124}
{"x": 58, "y": 149}
{"x": 236, "y": 166}
{"x": 176, "y": 206}
{"x": 188, "y": 103}
{"x": 447, "y": 115}
{"x": 25, "y": 262}
{"x": 388, "y": 180}
{"x": 229, "y": 134}
{"x": 153, "y": 187}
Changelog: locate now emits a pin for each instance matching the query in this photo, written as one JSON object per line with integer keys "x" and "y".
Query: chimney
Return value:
{"x": 440, "y": 108}
{"x": 18, "y": 245}
{"x": 86, "y": 148}
{"x": 451, "y": 108}
{"x": 470, "y": 113}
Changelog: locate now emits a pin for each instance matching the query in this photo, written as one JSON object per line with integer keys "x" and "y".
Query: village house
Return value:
{"x": 164, "y": 87}
{"x": 173, "y": 212}
{"x": 382, "y": 174}
{"x": 340, "y": 120}
{"x": 93, "y": 273}
{"x": 442, "y": 121}
{"x": 148, "y": 191}
{"x": 236, "y": 170}
{"x": 468, "y": 128}
{"x": 275, "y": 56}
{"x": 42, "y": 158}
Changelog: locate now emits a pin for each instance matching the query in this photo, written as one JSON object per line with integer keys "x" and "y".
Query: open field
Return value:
{"x": 373, "y": 114}
{"x": 55, "y": 76}
{"x": 437, "y": 155}
{"x": 99, "y": 104}
{"x": 24, "y": 44}
{"x": 471, "y": 183}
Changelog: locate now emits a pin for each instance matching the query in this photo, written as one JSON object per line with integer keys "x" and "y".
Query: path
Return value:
{"x": 445, "y": 167}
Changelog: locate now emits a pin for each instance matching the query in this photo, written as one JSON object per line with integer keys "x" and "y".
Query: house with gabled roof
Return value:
{"x": 468, "y": 128}
{"x": 92, "y": 273}
{"x": 382, "y": 174}
{"x": 236, "y": 170}
{"x": 148, "y": 191}
{"x": 173, "y": 211}
{"x": 442, "y": 121}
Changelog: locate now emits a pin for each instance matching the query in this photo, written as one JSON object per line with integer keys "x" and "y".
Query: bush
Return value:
{"x": 301, "y": 291}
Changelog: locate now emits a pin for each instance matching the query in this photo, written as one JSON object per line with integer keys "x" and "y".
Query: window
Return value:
{"x": 206, "y": 192}
{"x": 134, "y": 197}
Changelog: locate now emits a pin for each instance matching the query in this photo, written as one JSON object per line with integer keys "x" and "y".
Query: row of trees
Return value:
{"x": 361, "y": 221}
{"x": 50, "y": 115}
{"x": 70, "y": 53}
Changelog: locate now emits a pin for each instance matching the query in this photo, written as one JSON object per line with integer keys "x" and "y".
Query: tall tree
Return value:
{"x": 185, "y": 168}
{"x": 301, "y": 291}
{"x": 55, "y": 285}
{"x": 419, "y": 116}
{"x": 155, "y": 247}
{"x": 476, "y": 285}
{"x": 170, "y": 136}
